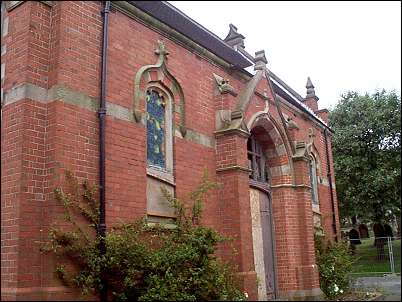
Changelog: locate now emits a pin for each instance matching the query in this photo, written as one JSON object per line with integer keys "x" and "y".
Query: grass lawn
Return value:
{"x": 367, "y": 262}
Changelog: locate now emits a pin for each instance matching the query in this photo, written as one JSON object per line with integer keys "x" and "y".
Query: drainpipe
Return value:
{"x": 102, "y": 116}
{"x": 330, "y": 186}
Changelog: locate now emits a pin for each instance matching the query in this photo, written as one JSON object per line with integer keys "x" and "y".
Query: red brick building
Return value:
{"x": 179, "y": 100}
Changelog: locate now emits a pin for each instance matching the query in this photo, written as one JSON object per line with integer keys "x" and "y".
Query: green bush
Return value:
{"x": 141, "y": 263}
{"x": 334, "y": 264}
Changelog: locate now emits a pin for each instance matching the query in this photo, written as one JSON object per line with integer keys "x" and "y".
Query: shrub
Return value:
{"x": 141, "y": 263}
{"x": 334, "y": 264}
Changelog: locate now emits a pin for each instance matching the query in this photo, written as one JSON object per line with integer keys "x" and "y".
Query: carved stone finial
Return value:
{"x": 161, "y": 50}
{"x": 234, "y": 39}
{"x": 260, "y": 60}
{"x": 310, "y": 88}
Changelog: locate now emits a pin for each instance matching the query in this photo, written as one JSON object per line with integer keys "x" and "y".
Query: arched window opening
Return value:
{"x": 313, "y": 181}
{"x": 156, "y": 130}
{"x": 256, "y": 161}
{"x": 159, "y": 126}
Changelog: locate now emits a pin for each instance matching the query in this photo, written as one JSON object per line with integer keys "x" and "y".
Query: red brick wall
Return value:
{"x": 23, "y": 149}
{"x": 11, "y": 149}
{"x": 61, "y": 45}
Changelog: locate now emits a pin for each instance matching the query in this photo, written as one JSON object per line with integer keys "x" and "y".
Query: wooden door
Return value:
{"x": 268, "y": 244}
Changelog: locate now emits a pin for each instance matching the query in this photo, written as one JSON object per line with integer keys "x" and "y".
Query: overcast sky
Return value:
{"x": 340, "y": 45}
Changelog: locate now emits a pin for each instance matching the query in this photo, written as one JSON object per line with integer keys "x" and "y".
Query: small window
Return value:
{"x": 159, "y": 153}
{"x": 156, "y": 136}
{"x": 256, "y": 161}
{"x": 313, "y": 180}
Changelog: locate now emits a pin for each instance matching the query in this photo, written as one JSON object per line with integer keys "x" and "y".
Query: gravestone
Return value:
{"x": 354, "y": 239}
{"x": 380, "y": 240}
{"x": 363, "y": 230}
{"x": 388, "y": 231}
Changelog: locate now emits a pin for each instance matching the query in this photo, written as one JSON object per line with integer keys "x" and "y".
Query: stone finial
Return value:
{"x": 234, "y": 39}
{"x": 260, "y": 60}
{"x": 311, "y": 100}
{"x": 161, "y": 50}
{"x": 310, "y": 88}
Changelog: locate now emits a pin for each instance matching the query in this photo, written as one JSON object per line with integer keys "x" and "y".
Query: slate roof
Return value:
{"x": 173, "y": 17}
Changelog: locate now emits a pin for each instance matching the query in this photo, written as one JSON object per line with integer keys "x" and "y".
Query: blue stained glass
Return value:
{"x": 155, "y": 129}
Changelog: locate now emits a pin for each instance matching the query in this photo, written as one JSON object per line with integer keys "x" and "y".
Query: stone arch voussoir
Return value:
{"x": 281, "y": 152}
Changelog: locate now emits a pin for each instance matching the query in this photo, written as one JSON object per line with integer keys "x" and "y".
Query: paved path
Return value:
{"x": 389, "y": 286}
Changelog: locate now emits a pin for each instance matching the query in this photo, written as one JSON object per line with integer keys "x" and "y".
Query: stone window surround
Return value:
{"x": 315, "y": 202}
{"x": 164, "y": 177}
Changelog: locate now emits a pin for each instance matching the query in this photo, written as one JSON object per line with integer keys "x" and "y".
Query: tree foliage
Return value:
{"x": 142, "y": 262}
{"x": 334, "y": 266}
{"x": 367, "y": 158}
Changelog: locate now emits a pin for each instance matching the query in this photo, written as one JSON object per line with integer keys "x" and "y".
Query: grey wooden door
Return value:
{"x": 268, "y": 244}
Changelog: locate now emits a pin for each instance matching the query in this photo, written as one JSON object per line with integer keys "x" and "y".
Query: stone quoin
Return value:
{"x": 179, "y": 100}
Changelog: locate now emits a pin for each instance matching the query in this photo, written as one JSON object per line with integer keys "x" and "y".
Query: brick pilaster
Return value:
{"x": 232, "y": 174}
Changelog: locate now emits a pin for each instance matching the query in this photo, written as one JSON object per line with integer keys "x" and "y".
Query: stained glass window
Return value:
{"x": 313, "y": 179}
{"x": 156, "y": 139}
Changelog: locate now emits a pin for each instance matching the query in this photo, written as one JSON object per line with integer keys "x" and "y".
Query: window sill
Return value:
{"x": 161, "y": 175}
{"x": 168, "y": 226}
{"x": 161, "y": 215}
{"x": 165, "y": 222}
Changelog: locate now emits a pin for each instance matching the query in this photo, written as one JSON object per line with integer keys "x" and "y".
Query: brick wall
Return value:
{"x": 55, "y": 51}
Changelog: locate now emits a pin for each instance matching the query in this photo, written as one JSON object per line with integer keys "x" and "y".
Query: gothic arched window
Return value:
{"x": 159, "y": 126}
{"x": 159, "y": 131}
{"x": 156, "y": 125}
{"x": 313, "y": 181}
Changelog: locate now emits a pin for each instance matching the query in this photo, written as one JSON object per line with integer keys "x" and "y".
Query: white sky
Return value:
{"x": 340, "y": 45}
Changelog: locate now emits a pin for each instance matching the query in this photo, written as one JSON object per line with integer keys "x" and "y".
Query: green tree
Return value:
{"x": 367, "y": 154}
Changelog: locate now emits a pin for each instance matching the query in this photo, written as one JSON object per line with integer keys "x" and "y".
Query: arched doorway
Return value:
{"x": 258, "y": 146}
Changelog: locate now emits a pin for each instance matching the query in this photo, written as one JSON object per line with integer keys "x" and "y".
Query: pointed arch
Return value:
{"x": 312, "y": 149}
{"x": 272, "y": 128}
{"x": 158, "y": 73}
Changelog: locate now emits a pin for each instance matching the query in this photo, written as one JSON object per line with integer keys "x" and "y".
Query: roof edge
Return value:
{"x": 177, "y": 20}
